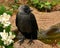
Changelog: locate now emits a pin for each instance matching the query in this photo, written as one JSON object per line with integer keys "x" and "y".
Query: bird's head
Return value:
{"x": 24, "y": 8}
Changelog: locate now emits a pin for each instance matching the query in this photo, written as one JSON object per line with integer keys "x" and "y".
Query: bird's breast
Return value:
{"x": 25, "y": 23}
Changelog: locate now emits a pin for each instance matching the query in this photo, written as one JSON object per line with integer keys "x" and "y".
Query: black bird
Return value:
{"x": 26, "y": 23}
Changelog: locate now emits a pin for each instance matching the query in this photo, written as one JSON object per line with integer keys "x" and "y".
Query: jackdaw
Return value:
{"x": 26, "y": 23}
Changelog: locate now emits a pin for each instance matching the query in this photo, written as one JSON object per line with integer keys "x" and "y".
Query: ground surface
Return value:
{"x": 44, "y": 20}
{"x": 36, "y": 44}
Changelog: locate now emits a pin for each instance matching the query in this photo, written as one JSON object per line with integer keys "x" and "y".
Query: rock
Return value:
{"x": 36, "y": 44}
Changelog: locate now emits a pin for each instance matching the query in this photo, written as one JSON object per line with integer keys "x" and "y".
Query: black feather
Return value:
{"x": 26, "y": 23}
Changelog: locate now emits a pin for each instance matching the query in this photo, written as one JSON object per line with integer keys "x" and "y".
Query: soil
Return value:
{"x": 46, "y": 19}
{"x": 36, "y": 44}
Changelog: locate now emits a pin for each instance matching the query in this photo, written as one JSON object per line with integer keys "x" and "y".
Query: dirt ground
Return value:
{"x": 45, "y": 20}
{"x": 36, "y": 44}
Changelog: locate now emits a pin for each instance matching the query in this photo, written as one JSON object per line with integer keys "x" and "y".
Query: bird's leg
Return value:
{"x": 21, "y": 40}
{"x": 31, "y": 40}
{"x": 20, "y": 37}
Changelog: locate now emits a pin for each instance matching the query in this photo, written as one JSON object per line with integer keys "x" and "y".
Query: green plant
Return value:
{"x": 6, "y": 36}
{"x": 3, "y": 9}
{"x": 16, "y": 1}
{"x": 15, "y": 6}
{"x": 42, "y": 5}
{"x": 10, "y": 12}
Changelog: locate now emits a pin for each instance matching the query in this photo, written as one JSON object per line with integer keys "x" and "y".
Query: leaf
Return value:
{"x": 42, "y": 6}
{"x": 9, "y": 46}
{"x": 48, "y": 7}
{"x": 16, "y": 1}
{"x": 9, "y": 12}
{"x": 53, "y": 3}
{"x": 1, "y": 42}
{"x": 8, "y": 28}
{"x": 15, "y": 6}
{"x": 47, "y": 3}
{"x": 2, "y": 9}
{"x": 35, "y": 1}
{"x": 1, "y": 27}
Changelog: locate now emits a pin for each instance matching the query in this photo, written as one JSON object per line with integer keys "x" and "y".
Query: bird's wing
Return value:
{"x": 16, "y": 19}
{"x": 34, "y": 22}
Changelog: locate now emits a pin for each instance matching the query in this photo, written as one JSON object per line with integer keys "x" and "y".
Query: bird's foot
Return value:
{"x": 21, "y": 40}
{"x": 30, "y": 42}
